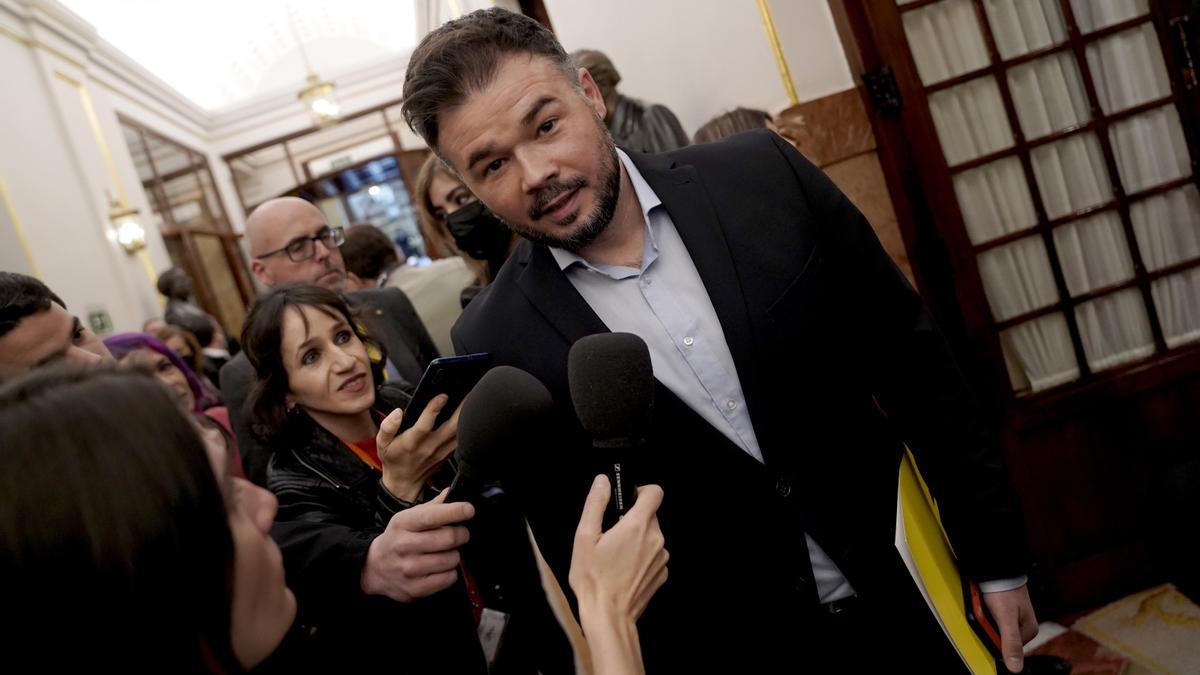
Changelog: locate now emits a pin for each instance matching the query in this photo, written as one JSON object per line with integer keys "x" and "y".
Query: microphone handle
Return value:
{"x": 462, "y": 488}
{"x": 624, "y": 491}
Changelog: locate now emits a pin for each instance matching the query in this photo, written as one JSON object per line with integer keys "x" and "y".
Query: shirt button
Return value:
{"x": 783, "y": 487}
{"x": 688, "y": 340}
{"x": 731, "y": 404}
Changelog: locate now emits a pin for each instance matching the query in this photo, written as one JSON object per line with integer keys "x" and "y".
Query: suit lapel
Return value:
{"x": 553, "y": 296}
{"x": 686, "y": 199}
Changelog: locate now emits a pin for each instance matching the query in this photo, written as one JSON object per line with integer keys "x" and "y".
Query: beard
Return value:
{"x": 590, "y": 227}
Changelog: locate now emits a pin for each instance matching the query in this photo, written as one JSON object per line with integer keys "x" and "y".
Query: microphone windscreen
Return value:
{"x": 498, "y": 413}
{"x": 612, "y": 384}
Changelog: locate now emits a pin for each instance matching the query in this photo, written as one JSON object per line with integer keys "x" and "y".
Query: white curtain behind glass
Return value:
{"x": 1128, "y": 69}
{"x": 1168, "y": 232}
{"x": 1071, "y": 173}
{"x": 1177, "y": 299}
{"x": 1049, "y": 95}
{"x": 945, "y": 40}
{"x": 1021, "y": 26}
{"x": 1115, "y": 329}
{"x": 1091, "y": 15}
{"x": 994, "y": 200}
{"x": 970, "y": 120}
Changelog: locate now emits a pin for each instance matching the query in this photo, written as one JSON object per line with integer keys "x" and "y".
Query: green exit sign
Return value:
{"x": 100, "y": 322}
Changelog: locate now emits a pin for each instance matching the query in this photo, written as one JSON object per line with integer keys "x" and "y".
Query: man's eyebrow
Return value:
{"x": 536, "y": 108}
{"x": 54, "y": 356}
{"x": 479, "y": 154}
{"x": 486, "y": 150}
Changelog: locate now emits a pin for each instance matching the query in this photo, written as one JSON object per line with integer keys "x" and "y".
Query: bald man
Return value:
{"x": 290, "y": 242}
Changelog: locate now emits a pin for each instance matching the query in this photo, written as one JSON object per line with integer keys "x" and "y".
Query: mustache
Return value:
{"x": 551, "y": 192}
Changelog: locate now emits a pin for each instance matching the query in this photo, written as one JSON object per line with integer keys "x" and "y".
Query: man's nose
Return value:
{"x": 538, "y": 168}
{"x": 82, "y": 357}
{"x": 321, "y": 251}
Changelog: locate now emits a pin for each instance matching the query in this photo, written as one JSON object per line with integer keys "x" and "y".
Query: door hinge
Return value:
{"x": 1184, "y": 36}
{"x": 883, "y": 90}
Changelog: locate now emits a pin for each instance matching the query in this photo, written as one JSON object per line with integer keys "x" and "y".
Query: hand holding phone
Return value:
{"x": 411, "y": 457}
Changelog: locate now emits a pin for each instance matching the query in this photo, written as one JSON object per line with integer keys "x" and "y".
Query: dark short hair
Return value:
{"x": 174, "y": 283}
{"x": 113, "y": 528}
{"x": 193, "y": 320}
{"x": 368, "y": 252}
{"x": 21, "y": 296}
{"x": 262, "y": 342}
{"x": 460, "y": 58}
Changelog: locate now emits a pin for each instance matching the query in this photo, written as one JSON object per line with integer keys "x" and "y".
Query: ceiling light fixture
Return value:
{"x": 319, "y": 96}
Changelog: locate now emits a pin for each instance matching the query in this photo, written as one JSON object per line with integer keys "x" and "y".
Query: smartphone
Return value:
{"x": 454, "y": 376}
{"x": 981, "y": 620}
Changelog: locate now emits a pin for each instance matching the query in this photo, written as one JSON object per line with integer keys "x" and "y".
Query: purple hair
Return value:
{"x": 122, "y": 344}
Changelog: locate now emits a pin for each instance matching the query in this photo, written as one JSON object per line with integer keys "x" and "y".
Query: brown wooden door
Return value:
{"x": 1041, "y": 154}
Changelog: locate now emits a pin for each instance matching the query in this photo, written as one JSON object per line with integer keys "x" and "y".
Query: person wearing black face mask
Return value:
{"x": 480, "y": 235}
{"x": 454, "y": 223}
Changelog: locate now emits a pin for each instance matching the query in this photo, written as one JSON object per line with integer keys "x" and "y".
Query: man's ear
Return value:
{"x": 260, "y": 272}
{"x": 591, "y": 91}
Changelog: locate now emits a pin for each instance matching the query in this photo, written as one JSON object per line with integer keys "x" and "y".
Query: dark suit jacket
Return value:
{"x": 389, "y": 317}
{"x": 840, "y": 363}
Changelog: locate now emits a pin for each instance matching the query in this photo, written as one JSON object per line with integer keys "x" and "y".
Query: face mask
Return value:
{"x": 478, "y": 233}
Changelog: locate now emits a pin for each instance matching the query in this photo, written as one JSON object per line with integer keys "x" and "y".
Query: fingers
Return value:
{"x": 388, "y": 428}
{"x": 427, "y": 586}
{"x": 1011, "y": 646}
{"x": 430, "y": 413}
{"x": 429, "y": 564}
{"x": 593, "y": 509}
{"x": 1029, "y": 623}
{"x": 432, "y": 515}
{"x": 649, "y": 498}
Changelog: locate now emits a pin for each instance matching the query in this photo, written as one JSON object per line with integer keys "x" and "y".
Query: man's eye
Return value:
{"x": 494, "y": 166}
{"x": 77, "y": 335}
{"x": 547, "y": 126}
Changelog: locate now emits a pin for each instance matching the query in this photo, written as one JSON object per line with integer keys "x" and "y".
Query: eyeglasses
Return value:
{"x": 303, "y": 248}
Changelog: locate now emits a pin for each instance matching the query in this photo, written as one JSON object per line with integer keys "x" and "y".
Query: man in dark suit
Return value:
{"x": 792, "y": 362}
{"x": 290, "y": 242}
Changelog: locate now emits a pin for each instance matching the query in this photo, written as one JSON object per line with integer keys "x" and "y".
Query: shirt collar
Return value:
{"x": 646, "y": 198}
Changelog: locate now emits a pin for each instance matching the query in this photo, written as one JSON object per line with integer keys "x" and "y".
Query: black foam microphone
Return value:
{"x": 496, "y": 415}
{"x": 612, "y": 387}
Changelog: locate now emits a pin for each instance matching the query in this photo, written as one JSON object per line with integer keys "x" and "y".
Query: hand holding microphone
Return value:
{"x": 615, "y": 573}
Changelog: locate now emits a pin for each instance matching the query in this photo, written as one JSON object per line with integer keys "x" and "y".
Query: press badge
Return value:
{"x": 491, "y": 632}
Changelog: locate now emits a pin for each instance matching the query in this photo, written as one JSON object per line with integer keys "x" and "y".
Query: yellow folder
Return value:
{"x": 927, "y": 553}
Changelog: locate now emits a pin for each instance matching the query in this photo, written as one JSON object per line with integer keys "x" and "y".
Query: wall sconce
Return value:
{"x": 130, "y": 234}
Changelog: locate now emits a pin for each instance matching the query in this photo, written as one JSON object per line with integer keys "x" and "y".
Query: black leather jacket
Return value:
{"x": 331, "y": 506}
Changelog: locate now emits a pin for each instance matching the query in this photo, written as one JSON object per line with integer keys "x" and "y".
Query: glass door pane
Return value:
{"x": 945, "y": 40}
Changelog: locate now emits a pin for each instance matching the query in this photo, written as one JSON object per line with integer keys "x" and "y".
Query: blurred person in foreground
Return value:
{"x": 127, "y": 543}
